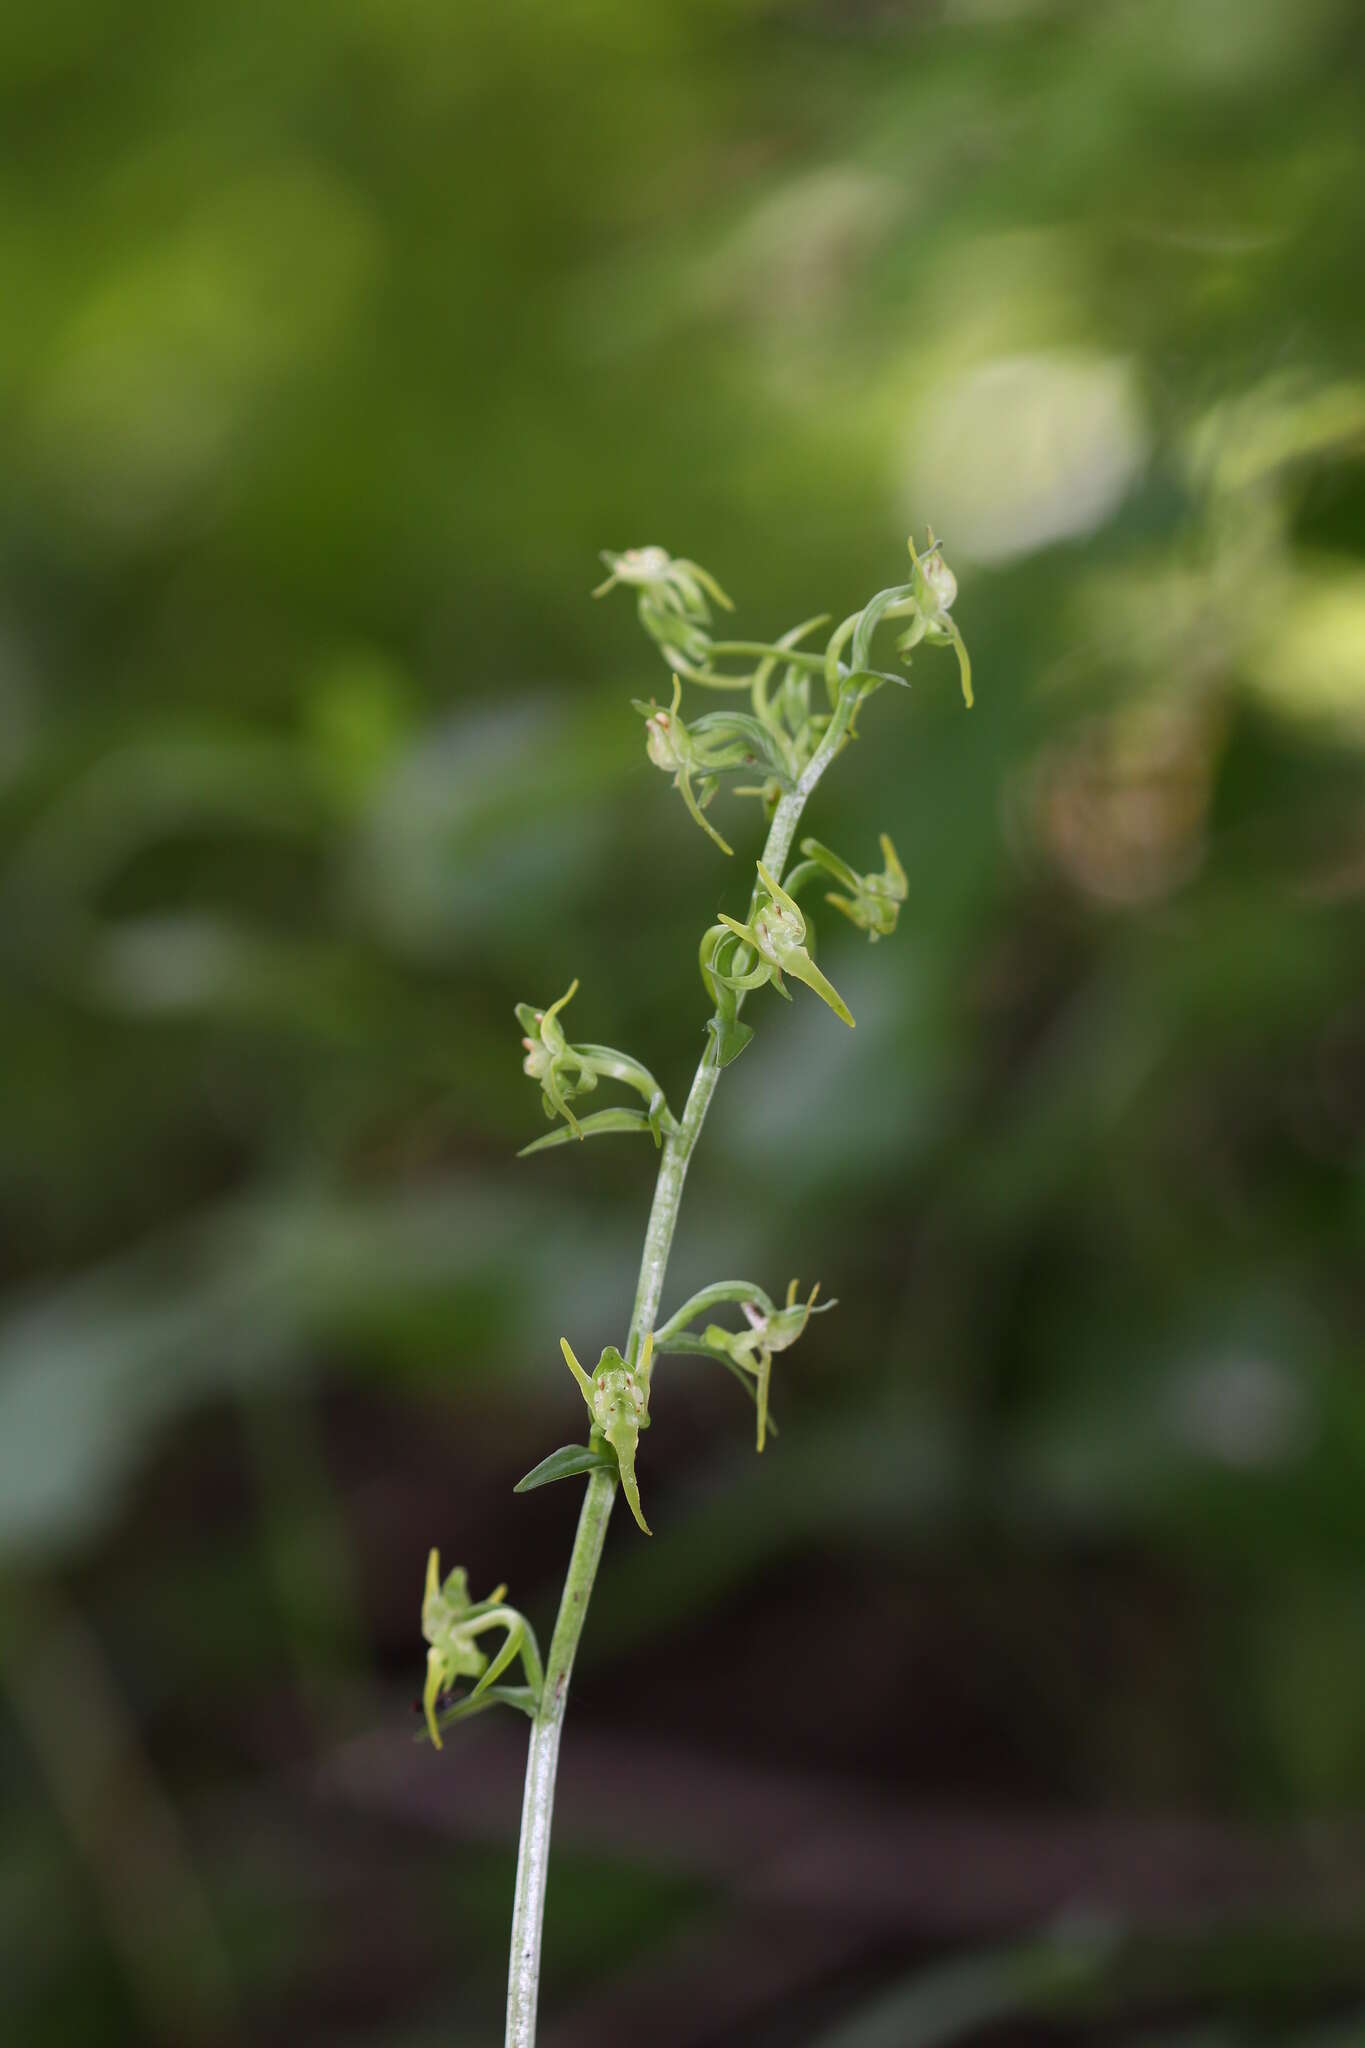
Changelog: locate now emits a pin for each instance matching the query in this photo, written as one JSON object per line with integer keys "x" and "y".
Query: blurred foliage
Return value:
{"x": 337, "y": 342}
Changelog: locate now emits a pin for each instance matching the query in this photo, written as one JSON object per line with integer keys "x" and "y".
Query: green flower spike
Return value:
{"x": 935, "y": 587}
{"x": 770, "y": 1330}
{"x": 777, "y": 933}
{"x": 450, "y": 1623}
{"x": 565, "y": 1070}
{"x": 618, "y": 1402}
{"x": 874, "y": 901}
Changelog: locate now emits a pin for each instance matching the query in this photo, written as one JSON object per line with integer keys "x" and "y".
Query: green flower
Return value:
{"x": 711, "y": 746}
{"x": 450, "y": 1624}
{"x": 673, "y": 748}
{"x": 777, "y": 933}
{"x": 770, "y": 1330}
{"x": 565, "y": 1071}
{"x": 551, "y": 1060}
{"x": 873, "y": 902}
{"x": 935, "y": 588}
{"x": 673, "y": 597}
{"x": 618, "y": 1403}
{"x": 679, "y": 585}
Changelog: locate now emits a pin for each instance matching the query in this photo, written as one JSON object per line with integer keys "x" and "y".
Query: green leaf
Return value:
{"x": 731, "y": 1037}
{"x": 566, "y": 1463}
{"x": 595, "y": 1126}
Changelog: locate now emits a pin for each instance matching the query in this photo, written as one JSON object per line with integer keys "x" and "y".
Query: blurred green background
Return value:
{"x": 1017, "y": 1695}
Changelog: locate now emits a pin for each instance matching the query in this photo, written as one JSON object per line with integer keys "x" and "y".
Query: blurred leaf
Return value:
{"x": 955, "y": 2001}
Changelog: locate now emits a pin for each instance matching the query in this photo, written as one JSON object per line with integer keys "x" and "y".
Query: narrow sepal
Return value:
{"x": 805, "y": 969}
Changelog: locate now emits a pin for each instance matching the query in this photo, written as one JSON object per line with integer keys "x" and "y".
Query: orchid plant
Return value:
{"x": 801, "y": 713}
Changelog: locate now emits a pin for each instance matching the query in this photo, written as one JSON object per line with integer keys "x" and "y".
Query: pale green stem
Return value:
{"x": 537, "y": 1811}
{"x": 538, "y": 1800}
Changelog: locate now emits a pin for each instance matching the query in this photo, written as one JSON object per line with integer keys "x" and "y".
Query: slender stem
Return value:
{"x": 663, "y": 1214}
{"x": 528, "y": 1915}
{"x": 787, "y": 816}
{"x": 538, "y": 1800}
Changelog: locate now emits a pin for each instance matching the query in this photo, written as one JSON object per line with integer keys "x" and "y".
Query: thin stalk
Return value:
{"x": 537, "y": 1811}
{"x": 538, "y": 1800}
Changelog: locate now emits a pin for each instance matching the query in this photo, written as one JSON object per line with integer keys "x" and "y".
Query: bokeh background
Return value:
{"x": 1017, "y": 1694}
